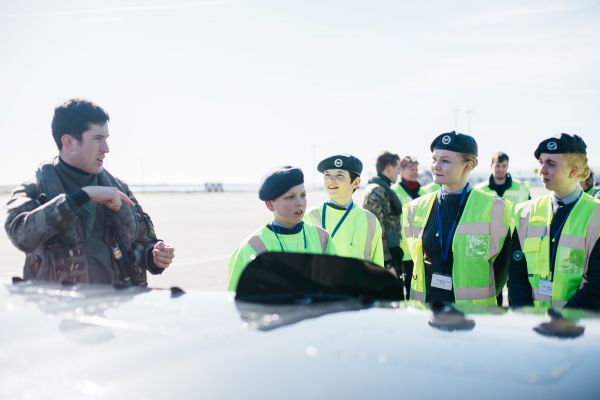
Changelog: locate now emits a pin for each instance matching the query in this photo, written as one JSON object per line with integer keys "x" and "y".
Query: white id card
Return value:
{"x": 441, "y": 281}
{"x": 545, "y": 288}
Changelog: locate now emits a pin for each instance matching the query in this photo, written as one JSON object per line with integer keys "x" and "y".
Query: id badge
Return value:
{"x": 545, "y": 288}
{"x": 441, "y": 281}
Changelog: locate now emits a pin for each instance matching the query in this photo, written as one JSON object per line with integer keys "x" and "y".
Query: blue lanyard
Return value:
{"x": 323, "y": 213}
{"x": 554, "y": 243}
{"x": 279, "y": 240}
{"x": 445, "y": 247}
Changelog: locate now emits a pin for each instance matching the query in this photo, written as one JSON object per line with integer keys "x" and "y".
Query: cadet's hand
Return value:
{"x": 163, "y": 254}
{"x": 107, "y": 196}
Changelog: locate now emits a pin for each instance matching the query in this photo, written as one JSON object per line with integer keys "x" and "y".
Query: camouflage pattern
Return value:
{"x": 377, "y": 201}
{"x": 42, "y": 223}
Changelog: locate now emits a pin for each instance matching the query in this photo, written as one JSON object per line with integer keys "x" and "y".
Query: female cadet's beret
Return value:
{"x": 346, "y": 162}
{"x": 453, "y": 141}
{"x": 564, "y": 143}
{"x": 279, "y": 181}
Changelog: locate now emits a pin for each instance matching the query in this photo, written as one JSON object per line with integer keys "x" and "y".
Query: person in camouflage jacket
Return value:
{"x": 381, "y": 200}
{"x": 75, "y": 221}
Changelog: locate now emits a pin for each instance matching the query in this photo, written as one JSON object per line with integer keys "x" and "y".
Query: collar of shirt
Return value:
{"x": 443, "y": 193}
{"x": 337, "y": 206}
{"x": 282, "y": 230}
{"x": 568, "y": 199}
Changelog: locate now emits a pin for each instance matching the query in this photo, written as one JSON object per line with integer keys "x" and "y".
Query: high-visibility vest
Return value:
{"x": 593, "y": 191}
{"x": 265, "y": 240}
{"x": 405, "y": 198}
{"x": 577, "y": 240}
{"x": 359, "y": 236}
{"x": 518, "y": 192}
{"x": 430, "y": 188}
{"x": 478, "y": 239}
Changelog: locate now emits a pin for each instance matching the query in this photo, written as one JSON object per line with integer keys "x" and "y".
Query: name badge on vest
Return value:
{"x": 441, "y": 281}
{"x": 545, "y": 288}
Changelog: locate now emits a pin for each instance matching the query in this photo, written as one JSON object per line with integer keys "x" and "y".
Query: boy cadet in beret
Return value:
{"x": 355, "y": 231}
{"x": 459, "y": 236}
{"x": 284, "y": 195}
{"x": 555, "y": 248}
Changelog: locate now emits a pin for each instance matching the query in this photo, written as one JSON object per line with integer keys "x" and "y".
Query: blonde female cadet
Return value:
{"x": 556, "y": 255}
{"x": 457, "y": 236}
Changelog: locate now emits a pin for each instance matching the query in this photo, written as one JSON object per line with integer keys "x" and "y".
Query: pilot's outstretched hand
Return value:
{"x": 163, "y": 254}
{"x": 107, "y": 196}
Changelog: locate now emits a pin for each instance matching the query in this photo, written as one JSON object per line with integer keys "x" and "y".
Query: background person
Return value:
{"x": 381, "y": 200}
{"x": 284, "y": 195}
{"x": 355, "y": 231}
{"x": 407, "y": 189}
{"x": 75, "y": 221}
{"x": 457, "y": 236}
{"x": 556, "y": 255}
{"x": 588, "y": 185}
{"x": 502, "y": 184}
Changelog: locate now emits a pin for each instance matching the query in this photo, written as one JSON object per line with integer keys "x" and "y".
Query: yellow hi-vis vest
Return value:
{"x": 430, "y": 188}
{"x": 518, "y": 192}
{"x": 405, "y": 198}
{"x": 577, "y": 240}
{"x": 479, "y": 237}
{"x": 359, "y": 236}
{"x": 263, "y": 240}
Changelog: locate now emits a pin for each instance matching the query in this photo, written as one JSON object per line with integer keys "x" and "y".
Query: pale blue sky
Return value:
{"x": 224, "y": 90}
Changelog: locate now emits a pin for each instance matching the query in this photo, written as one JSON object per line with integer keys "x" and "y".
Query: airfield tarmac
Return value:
{"x": 205, "y": 228}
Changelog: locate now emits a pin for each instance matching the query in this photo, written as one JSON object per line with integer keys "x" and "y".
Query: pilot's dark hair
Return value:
{"x": 74, "y": 117}
{"x": 384, "y": 159}
{"x": 499, "y": 157}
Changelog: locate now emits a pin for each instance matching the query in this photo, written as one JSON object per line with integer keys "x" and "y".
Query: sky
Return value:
{"x": 225, "y": 90}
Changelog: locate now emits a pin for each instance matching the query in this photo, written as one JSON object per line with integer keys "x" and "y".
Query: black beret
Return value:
{"x": 279, "y": 181}
{"x": 453, "y": 141}
{"x": 346, "y": 162}
{"x": 564, "y": 143}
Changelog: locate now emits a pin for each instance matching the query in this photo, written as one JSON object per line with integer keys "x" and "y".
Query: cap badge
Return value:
{"x": 446, "y": 139}
{"x": 338, "y": 162}
{"x": 552, "y": 146}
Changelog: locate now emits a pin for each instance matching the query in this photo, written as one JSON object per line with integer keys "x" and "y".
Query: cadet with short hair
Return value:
{"x": 75, "y": 221}
{"x": 284, "y": 195}
{"x": 556, "y": 251}
{"x": 502, "y": 183}
{"x": 355, "y": 231}
{"x": 381, "y": 200}
{"x": 407, "y": 189}
{"x": 457, "y": 236}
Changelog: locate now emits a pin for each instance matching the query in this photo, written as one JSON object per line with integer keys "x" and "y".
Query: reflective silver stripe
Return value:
{"x": 474, "y": 293}
{"x": 497, "y": 228}
{"x": 576, "y": 242}
{"x": 323, "y": 238}
{"x": 540, "y": 297}
{"x": 558, "y": 304}
{"x": 417, "y": 232}
{"x": 257, "y": 244}
{"x": 536, "y": 231}
{"x": 524, "y": 227}
{"x": 416, "y": 295}
{"x": 371, "y": 219}
{"x": 591, "y": 237}
{"x": 315, "y": 215}
{"x": 473, "y": 229}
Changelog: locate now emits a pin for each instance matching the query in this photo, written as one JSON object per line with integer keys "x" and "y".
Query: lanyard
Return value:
{"x": 323, "y": 213}
{"x": 554, "y": 243}
{"x": 274, "y": 229}
{"x": 445, "y": 247}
